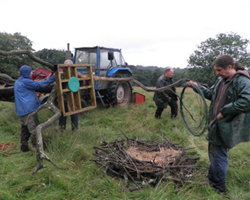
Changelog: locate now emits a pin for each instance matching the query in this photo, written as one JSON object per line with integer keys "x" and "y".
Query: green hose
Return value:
{"x": 203, "y": 123}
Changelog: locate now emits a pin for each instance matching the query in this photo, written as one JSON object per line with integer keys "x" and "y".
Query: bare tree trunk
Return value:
{"x": 40, "y": 154}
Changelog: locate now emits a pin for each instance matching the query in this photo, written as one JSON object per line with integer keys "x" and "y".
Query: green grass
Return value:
{"x": 80, "y": 178}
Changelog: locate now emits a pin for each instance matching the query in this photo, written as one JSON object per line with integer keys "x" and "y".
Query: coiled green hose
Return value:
{"x": 202, "y": 125}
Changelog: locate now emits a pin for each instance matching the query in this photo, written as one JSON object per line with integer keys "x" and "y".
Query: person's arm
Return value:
{"x": 35, "y": 85}
{"x": 242, "y": 104}
{"x": 208, "y": 92}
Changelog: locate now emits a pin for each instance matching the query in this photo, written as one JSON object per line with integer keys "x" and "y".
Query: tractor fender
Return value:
{"x": 113, "y": 71}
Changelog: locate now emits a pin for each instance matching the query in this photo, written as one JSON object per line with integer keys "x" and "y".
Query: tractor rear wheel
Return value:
{"x": 120, "y": 93}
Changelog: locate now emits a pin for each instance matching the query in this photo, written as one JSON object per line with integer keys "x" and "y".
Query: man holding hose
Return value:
{"x": 229, "y": 116}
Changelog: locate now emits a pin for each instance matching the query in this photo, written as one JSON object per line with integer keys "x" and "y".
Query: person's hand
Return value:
{"x": 190, "y": 83}
{"x": 55, "y": 67}
{"x": 219, "y": 116}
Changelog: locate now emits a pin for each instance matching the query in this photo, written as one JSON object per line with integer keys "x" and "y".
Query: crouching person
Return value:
{"x": 167, "y": 97}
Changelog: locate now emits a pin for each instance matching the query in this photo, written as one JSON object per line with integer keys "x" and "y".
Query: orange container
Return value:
{"x": 139, "y": 98}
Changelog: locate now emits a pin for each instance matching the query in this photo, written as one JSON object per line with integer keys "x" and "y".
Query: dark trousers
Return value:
{"x": 174, "y": 110}
{"x": 63, "y": 120}
{"x": 218, "y": 166}
{"x": 28, "y": 127}
{"x": 74, "y": 122}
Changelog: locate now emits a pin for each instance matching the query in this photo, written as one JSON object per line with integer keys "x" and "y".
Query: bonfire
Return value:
{"x": 146, "y": 162}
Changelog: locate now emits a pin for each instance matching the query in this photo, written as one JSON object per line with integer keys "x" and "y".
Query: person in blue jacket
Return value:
{"x": 26, "y": 102}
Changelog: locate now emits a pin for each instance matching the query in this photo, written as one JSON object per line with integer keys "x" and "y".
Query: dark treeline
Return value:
{"x": 149, "y": 75}
{"x": 199, "y": 64}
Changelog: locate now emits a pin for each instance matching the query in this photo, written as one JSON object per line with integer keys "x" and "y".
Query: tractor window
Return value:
{"x": 104, "y": 62}
{"x": 86, "y": 57}
{"x": 119, "y": 59}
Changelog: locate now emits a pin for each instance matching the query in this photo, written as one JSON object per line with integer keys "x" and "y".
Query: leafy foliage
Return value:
{"x": 146, "y": 75}
{"x": 201, "y": 60}
{"x": 200, "y": 67}
{"x": 52, "y": 56}
{"x": 10, "y": 64}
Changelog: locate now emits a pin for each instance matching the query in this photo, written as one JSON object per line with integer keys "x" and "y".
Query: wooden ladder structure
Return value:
{"x": 65, "y": 74}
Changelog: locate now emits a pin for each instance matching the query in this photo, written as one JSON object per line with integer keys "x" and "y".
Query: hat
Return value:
{"x": 68, "y": 62}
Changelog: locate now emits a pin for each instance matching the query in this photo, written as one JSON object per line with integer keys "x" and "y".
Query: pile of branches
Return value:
{"x": 146, "y": 162}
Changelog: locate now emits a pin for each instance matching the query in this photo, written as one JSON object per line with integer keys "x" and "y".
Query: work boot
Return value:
{"x": 221, "y": 190}
{"x": 25, "y": 148}
{"x": 157, "y": 116}
{"x": 74, "y": 127}
{"x": 158, "y": 112}
{"x": 62, "y": 128}
{"x": 173, "y": 115}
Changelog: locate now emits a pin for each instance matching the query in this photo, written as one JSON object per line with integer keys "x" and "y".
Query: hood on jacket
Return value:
{"x": 243, "y": 72}
{"x": 25, "y": 71}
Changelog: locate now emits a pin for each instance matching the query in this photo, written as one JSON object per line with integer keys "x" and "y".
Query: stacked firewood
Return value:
{"x": 146, "y": 162}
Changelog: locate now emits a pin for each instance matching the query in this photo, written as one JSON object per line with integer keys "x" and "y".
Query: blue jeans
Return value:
{"x": 218, "y": 166}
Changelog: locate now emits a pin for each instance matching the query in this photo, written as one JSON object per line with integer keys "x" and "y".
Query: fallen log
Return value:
{"x": 7, "y": 93}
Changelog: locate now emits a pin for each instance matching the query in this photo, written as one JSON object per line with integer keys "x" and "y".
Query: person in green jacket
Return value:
{"x": 229, "y": 116}
{"x": 167, "y": 97}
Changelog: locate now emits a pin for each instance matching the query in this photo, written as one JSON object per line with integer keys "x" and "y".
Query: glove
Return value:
{"x": 55, "y": 68}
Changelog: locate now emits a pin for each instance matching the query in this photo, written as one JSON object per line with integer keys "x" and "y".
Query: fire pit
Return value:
{"x": 146, "y": 162}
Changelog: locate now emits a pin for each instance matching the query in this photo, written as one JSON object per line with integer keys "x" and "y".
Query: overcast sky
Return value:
{"x": 149, "y": 32}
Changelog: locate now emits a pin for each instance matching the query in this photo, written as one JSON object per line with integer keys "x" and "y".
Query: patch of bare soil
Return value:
{"x": 164, "y": 156}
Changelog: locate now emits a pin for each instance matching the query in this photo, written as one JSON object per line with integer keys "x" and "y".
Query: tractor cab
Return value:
{"x": 100, "y": 57}
{"x": 106, "y": 62}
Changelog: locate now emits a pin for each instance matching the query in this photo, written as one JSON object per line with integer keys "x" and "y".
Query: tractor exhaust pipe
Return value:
{"x": 68, "y": 55}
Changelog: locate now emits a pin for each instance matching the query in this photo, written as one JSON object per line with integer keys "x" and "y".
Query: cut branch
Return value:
{"x": 131, "y": 79}
{"x": 28, "y": 53}
{"x": 39, "y": 139}
{"x": 5, "y": 79}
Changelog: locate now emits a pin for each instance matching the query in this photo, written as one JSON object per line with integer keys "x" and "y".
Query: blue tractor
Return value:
{"x": 107, "y": 62}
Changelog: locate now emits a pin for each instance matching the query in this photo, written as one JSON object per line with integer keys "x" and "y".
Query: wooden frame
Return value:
{"x": 73, "y": 99}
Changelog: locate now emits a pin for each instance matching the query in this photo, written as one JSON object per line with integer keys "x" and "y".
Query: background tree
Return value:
{"x": 201, "y": 60}
{"x": 52, "y": 56}
{"x": 142, "y": 74}
{"x": 180, "y": 74}
{"x": 155, "y": 75}
{"x": 10, "y": 64}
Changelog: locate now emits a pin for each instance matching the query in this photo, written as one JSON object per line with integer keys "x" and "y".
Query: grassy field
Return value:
{"x": 80, "y": 178}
